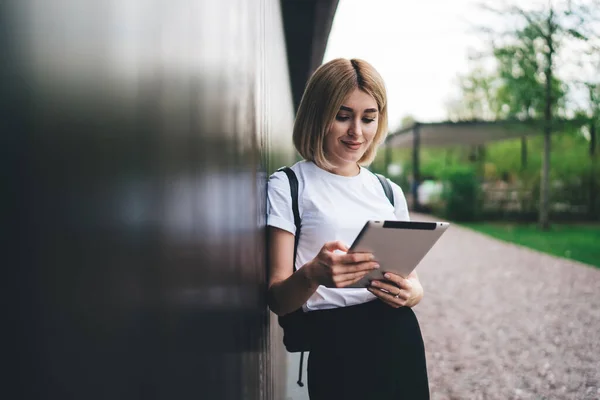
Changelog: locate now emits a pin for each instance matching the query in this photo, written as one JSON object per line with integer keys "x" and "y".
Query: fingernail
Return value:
{"x": 376, "y": 266}
{"x": 387, "y": 276}
{"x": 374, "y": 283}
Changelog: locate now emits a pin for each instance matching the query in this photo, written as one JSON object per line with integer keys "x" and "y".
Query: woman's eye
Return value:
{"x": 342, "y": 118}
{"x": 368, "y": 120}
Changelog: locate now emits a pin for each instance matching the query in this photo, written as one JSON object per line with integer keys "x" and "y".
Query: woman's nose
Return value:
{"x": 355, "y": 129}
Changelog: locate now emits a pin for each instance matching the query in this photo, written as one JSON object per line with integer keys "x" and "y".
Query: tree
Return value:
{"x": 594, "y": 97}
{"x": 521, "y": 70}
{"x": 477, "y": 98}
{"x": 589, "y": 71}
{"x": 543, "y": 30}
{"x": 522, "y": 92}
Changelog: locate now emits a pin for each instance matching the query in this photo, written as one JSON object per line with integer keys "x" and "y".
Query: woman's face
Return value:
{"x": 352, "y": 130}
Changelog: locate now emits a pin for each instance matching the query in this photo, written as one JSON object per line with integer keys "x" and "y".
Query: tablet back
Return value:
{"x": 398, "y": 246}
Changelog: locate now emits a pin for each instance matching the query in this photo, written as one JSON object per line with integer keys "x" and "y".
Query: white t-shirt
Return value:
{"x": 332, "y": 207}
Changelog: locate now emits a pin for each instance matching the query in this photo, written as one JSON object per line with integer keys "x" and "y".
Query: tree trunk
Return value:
{"x": 523, "y": 152}
{"x": 592, "y": 208}
{"x": 545, "y": 179}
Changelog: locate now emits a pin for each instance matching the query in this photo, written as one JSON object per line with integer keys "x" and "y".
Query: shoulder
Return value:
{"x": 279, "y": 179}
{"x": 280, "y": 202}
{"x": 374, "y": 179}
{"x": 400, "y": 204}
{"x": 398, "y": 192}
{"x": 395, "y": 187}
{"x": 279, "y": 184}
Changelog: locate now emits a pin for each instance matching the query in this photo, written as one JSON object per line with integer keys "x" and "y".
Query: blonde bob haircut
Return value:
{"x": 325, "y": 92}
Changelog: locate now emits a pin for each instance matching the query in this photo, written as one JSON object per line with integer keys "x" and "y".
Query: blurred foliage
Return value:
{"x": 522, "y": 93}
{"x": 523, "y": 82}
{"x": 519, "y": 77}
{"x": 461, "y": 195}
{"x": 570, "y": 157}
{"x": 572, "y": 172}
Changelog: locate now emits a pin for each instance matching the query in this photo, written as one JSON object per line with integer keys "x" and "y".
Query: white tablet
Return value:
{"x": 398, "y": 246}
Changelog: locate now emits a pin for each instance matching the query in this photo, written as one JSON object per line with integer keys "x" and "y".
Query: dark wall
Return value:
{"x": 137, "y": 134}
{"x": 307, "y": 24}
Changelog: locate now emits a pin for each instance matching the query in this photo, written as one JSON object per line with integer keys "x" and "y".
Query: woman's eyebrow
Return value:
{"x": 368, "y": 110}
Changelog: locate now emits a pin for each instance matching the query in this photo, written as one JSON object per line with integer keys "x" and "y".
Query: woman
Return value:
{"x": 367, "y": 344}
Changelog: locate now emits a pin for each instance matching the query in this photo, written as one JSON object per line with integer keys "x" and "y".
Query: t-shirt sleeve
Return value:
{"x": 400, "y": 206}
{"x": 279, "y": 203}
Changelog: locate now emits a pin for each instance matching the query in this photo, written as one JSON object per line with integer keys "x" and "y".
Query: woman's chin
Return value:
{"x": 353, "y": 157}
{"x": 345, "y": 158}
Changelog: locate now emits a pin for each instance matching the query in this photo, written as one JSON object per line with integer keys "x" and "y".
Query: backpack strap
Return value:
{"x": 294, "y": 191}
{"x": 387, "y": 188}
{"x": 298, "y": 222}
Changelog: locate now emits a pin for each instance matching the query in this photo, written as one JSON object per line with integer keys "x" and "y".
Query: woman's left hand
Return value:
{"x": 398, "y": 291}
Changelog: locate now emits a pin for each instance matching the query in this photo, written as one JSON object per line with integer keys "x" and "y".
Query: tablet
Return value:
{"x": 398, "y": 246}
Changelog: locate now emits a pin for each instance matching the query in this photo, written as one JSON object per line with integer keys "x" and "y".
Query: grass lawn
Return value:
{"x": 576, "y": 242}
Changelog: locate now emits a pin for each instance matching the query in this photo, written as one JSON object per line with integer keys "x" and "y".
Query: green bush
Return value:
{"x": 461, "y": 196}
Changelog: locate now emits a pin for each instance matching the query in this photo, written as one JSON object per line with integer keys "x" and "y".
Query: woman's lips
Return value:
{"x": 352, "y": 145}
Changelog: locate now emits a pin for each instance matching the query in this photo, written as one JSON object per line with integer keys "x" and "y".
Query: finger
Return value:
{"x": 382, "y": 297}
{"x": 401, "y": 282}
{"x": 353, "y": 258}
{"x": 346, "y": 269}
{"x": 350, "y": 279}
{"x": 400, "y": 300}
{"x": 336, "y": 245}
{"x": 347, "y": 280}
{"x": 386, "y": 298}
{"x": 390, "y": 288}
{"x": 377, "y": 292}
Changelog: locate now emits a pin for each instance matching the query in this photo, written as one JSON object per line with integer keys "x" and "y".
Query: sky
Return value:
{"x": 419, "y": 48}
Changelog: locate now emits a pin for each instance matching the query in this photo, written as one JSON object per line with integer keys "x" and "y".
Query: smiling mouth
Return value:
{"x": 352, "y": 145}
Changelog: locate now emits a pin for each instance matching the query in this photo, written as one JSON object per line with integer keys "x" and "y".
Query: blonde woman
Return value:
{"x": 364, "y": 343}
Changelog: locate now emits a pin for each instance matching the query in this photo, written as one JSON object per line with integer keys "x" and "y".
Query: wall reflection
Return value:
{"x": 142, "y": 131}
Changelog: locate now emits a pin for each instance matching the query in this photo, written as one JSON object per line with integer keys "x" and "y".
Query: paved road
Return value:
{"x": 504, "y": 322}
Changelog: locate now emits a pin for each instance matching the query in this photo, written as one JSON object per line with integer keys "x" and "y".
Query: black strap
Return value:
{"x": 387, "y": 188}
{"x": 298, "y": 222}
{"x": 294, "y": 191}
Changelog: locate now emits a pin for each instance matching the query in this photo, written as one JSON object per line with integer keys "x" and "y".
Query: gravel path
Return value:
{"x": 503, "y": 322}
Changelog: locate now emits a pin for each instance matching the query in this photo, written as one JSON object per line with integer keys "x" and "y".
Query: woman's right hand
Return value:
{"x": 337, "y": 270}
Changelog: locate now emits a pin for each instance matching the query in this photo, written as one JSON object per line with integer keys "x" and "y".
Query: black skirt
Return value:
{"x": 368, "y": 351}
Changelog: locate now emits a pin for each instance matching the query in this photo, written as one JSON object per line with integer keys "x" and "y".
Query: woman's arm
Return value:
{"x": 288, "y": 291}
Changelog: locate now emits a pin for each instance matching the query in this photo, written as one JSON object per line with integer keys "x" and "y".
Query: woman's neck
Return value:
{"x": 350, "y": 169}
